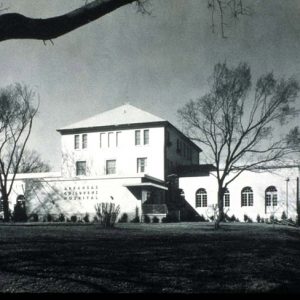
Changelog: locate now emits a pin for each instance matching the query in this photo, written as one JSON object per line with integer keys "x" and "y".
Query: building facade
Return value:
{"x": 132, "y": 158}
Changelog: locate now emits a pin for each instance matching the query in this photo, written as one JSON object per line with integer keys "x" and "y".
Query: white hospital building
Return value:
{"x": 147, "y": 166}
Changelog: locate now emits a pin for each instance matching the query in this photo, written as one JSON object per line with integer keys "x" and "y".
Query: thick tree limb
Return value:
{"x": 17, "y": 26}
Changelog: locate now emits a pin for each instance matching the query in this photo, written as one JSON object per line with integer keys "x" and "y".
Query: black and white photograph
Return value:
{"x": 149, "y": 146}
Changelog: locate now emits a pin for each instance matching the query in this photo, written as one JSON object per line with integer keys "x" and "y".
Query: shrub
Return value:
{"x": 247, "y": 219}
{"x": 124, "y": 218}
{"x": 147, "y": 219}
{"x": 19, "y": 213}
{"x": 86, "y": 218}
{"x": 73, "y": 218}
{"x": 283, "y": 216}
{"x": 49, "y": 218}
{"x": 155, "y": 219}
{"x": 135, "y": 220}
{"x": 61, "y": 218}
{"x": 107, "y": 214}
{"x": 34, "y": 218}
{"x": 258, "y": 218}
{"x": 171, "y": 218}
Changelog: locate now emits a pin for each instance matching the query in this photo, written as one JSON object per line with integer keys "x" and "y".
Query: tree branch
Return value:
{"x": 17, "y": 26}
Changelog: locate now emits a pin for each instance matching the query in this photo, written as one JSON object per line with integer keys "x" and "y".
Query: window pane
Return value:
{"x": 80, "y": 168}
{"x": 84, "y": 141}
{"x": 110, "y": 167}
{"x": 146, "y": 137}
{"x": 110, "y": 139}
{"x": 141, "y": 165}
{"x": 137, "y": 137}
{"x": 102, "y": 140}
{"x": 76, "y": 141}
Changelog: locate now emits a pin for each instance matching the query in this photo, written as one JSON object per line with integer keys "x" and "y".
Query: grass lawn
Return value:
{"x": 160, "y": 258}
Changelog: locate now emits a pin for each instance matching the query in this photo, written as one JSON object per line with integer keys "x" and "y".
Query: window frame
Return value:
{"x": 79, "y": 168}
{"x": 247, "y": 197}
{"x": 201, "y": 198}
{"x": 107, "y": 169}
{"x": 139, "y": 166}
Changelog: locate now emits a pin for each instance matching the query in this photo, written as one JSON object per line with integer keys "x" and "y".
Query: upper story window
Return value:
{"x": 271, "y": 196}
{"x": 76, "y": 141}
{"x": 84, "y": 141}
{"x": 247, "y": 196}
{"x": 141, "y": 165}
{"x": 110, "y": 167}
{"x": 80, "y": 168}
{"x": 146, "y": 137}
{"x": 137, "y": 137}
{"x": 110, "y": 139}
{"x": 201, "y": 198}
{"x": 102, "y": 137}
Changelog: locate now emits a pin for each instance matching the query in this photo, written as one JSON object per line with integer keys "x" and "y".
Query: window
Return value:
{"x": 110, "y": 167}
{"x": 137, "y": 137}
{"x": 118, "y": 137}
{"x": 271, "y": 196}
{"x": 146, "y": 137}
{"x": 110, "y": 139}
{"x": 226, "y": 198}
{"x": 201, "y": 198}
{"x": 84, "y": 141}
{"x": 247, "y": 196}
{"x": 1, "y": 204}
{"x": 80, "y": 168}
{"x": 102, "y": 139}
{"x": 76, "y": 141}
{"x": 141, "y": 165}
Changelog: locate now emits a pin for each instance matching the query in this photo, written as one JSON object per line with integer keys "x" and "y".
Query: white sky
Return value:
{"x": 156, "y": 62}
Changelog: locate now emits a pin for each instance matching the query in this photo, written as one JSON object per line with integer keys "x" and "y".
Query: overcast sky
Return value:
{"x": 156, "y": 62}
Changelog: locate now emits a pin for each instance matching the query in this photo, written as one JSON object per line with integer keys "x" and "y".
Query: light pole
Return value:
{"x": 287, "y": 197}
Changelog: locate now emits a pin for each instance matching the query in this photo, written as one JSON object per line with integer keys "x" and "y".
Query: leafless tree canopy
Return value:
{"x": 17, "y": 113}
{"x": 236, "y": 123}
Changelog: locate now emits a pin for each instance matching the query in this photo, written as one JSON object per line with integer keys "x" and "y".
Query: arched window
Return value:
{"x": 271, "y": 198}
{"x": 201, "y": 198}
{"x": 226, "y": 198}
{"x": 247, "y": 196}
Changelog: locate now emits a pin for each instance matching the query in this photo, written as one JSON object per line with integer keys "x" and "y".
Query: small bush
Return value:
{"x": 155, "y": 220}
{"x": 135, "y": 220}
{"x": 107, "y": 214}
{"x": 258, "y": 219}
{"x": 171, "y": 218}
{"x": 147, "y": 219}
{"x": 86, "y": 218}
{"x": 283, "y": 216}
{"x": 61, "y": 218}
{"x": 34, "y": 218}
{"x": 19, "y": 214}
{"x": 124, "y": 218}
{"x": 247, "y": 219}
{"x": 73, "y": 218}
{"x": 49, "y": 218}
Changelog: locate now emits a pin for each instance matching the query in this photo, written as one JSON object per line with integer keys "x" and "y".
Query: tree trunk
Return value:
{"x": 5, "y": 207}
{"x": 220, "y": 216}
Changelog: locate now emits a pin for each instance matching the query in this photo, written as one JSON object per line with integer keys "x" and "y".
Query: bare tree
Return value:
{"x": 236, "y": 124}
{"x": 31, "y": 161}
{"x": 18, "y": 26}
{"x": 17, "y": 113}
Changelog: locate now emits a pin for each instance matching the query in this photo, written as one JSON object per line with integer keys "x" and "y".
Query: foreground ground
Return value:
{"x": 170, "y": 258}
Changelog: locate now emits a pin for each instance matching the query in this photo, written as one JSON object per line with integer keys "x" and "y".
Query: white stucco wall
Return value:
{"x": 78, "y": 197}
{"x": 125, "y": 154}
{"x": 258, "y": 182}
